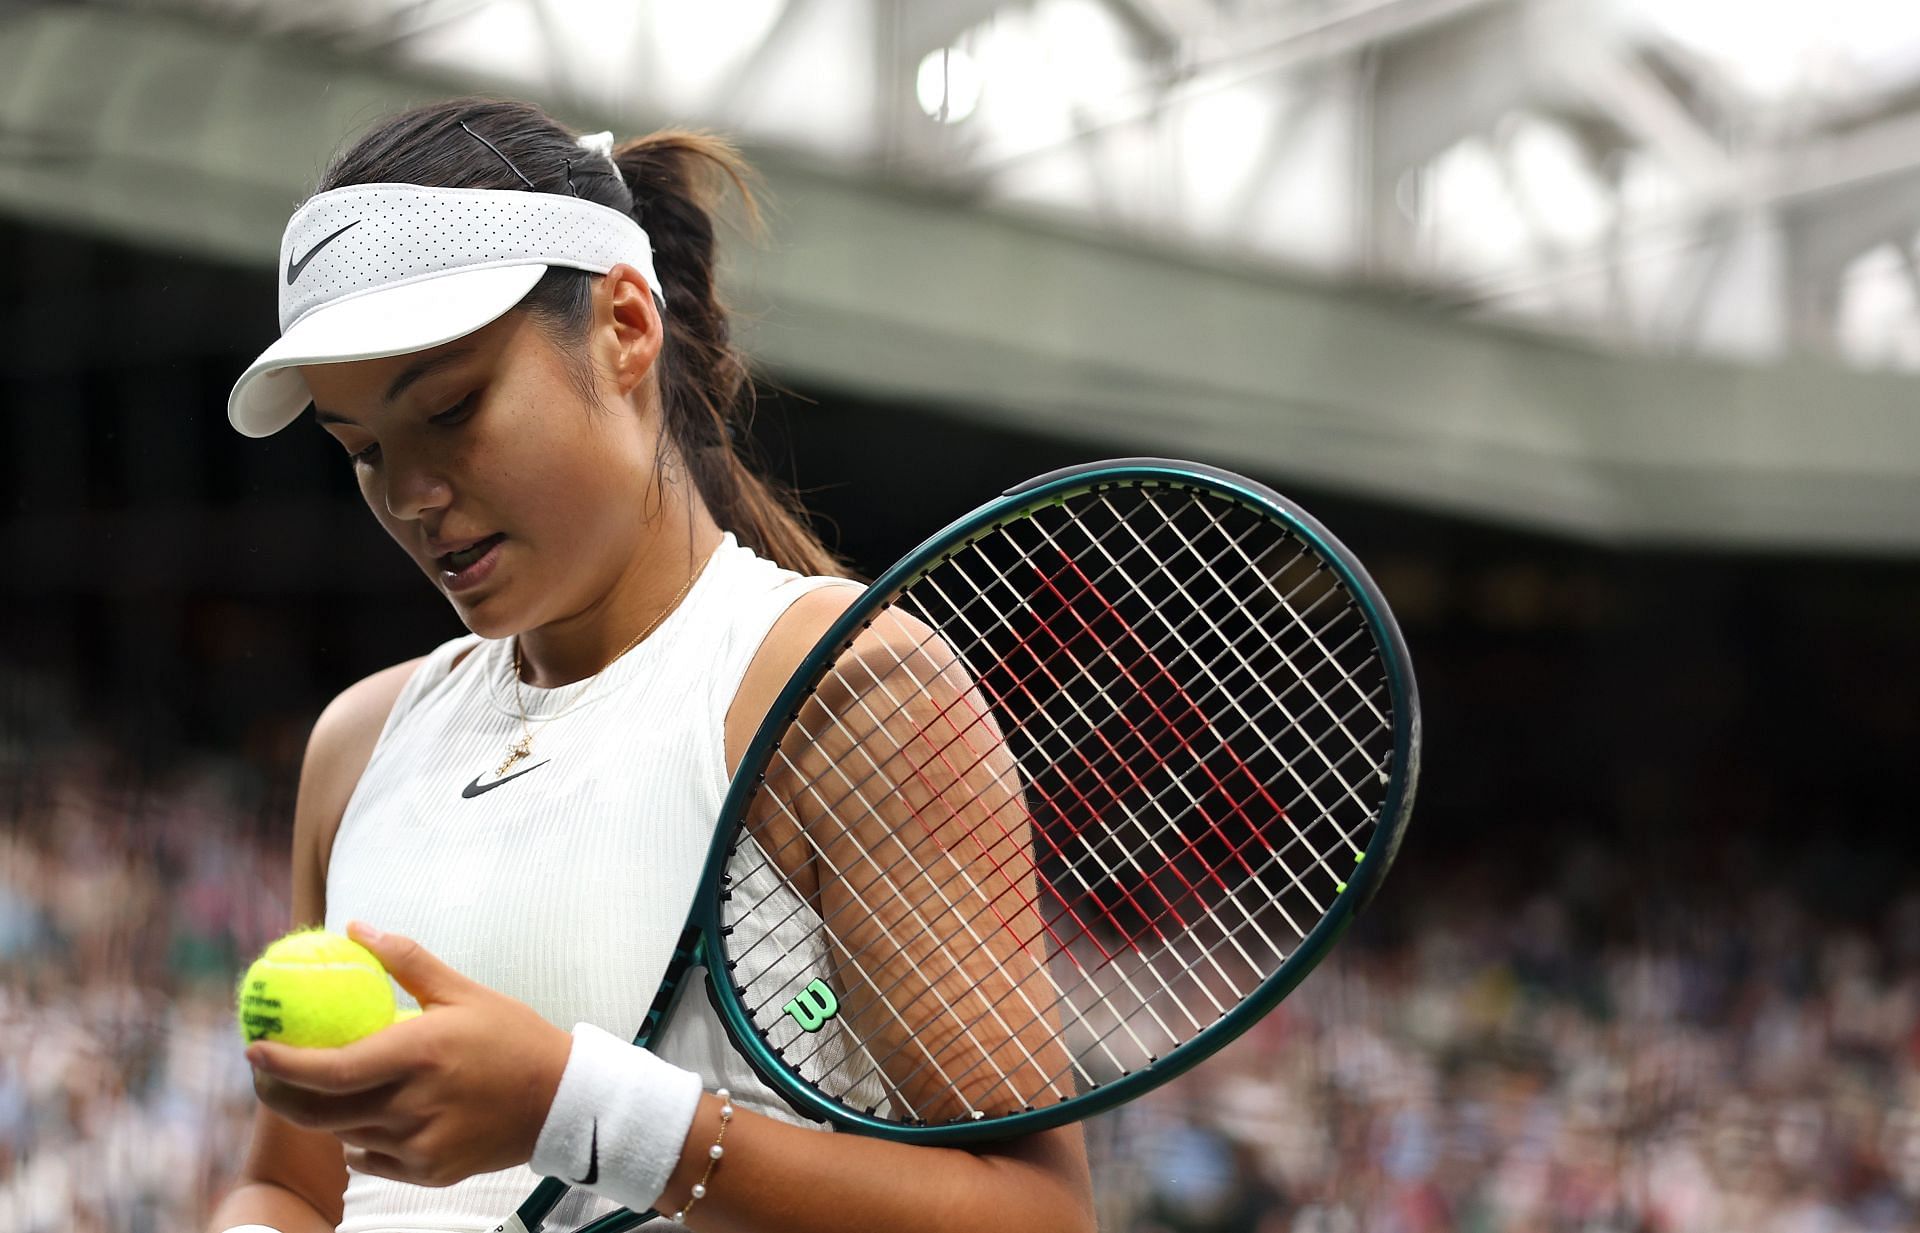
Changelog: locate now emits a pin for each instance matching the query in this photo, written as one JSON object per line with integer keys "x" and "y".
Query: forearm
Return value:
{"x": 775, "y": 1175}
{"x": 271, "y": 1204}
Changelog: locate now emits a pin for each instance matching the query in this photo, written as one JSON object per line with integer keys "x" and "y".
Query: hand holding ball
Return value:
{"x": 465, "y": 1091}
{"x": 315, "y": 990}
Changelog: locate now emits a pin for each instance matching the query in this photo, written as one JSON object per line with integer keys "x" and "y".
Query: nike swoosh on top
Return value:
{"x": 294, "y": 268}
{"x": 476, "y": 787}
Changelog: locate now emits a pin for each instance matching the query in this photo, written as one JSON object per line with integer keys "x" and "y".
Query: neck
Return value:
{"x": 652, "y": 583}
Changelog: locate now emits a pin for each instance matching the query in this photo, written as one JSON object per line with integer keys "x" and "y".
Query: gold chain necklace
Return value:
{"x": 524, "y": 746}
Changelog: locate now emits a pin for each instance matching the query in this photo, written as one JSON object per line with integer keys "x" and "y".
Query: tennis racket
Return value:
{"x": 1069, "y": 798}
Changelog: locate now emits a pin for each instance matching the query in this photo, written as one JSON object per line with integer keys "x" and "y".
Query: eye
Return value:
{"x": 458, "y": 411}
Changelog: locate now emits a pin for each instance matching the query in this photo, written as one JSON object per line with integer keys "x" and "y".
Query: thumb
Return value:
{"x": 419, "y": 971}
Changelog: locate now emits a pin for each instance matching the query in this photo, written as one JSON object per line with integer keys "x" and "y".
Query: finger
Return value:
{"x": 379, "y": 1164}
{"x": 389, "y": 1140}
{"x": 419, "y": 971}
{"x": 325, "y": 1111}
{"x": 367, "y": 1063}
{"x": 400, "y": 1168}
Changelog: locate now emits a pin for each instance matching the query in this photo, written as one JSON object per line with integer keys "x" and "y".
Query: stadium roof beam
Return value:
{"x": 1217, "y": 65}
{"x": 189, "y": 136}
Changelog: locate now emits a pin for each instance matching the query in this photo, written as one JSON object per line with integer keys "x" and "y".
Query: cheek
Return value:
{"x": 577, "y": 480}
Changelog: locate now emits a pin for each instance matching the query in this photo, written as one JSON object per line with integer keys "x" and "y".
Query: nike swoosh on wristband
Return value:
{"x": 593, "y": 1158}
{"x": 295, "y": 268}
{"x": 476, "y": 787}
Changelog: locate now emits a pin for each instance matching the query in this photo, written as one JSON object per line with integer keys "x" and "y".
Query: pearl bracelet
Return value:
{"x": 714, "y": 1154}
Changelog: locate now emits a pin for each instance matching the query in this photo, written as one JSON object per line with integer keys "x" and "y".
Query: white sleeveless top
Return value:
{"x": 565, "y": 883}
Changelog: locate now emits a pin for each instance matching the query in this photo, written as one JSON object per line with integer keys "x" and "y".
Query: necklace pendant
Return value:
{"x": 521, "y": 748}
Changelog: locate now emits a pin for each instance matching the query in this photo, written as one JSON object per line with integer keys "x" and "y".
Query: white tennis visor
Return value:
{"x": 374, "y": 270}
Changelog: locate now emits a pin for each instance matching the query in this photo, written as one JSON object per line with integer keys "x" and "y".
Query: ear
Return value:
{"x": 628, "y": 329}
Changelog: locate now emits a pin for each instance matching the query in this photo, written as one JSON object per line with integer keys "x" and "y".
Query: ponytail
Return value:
{"x": 678, "y": 180}
{"x": 673, "y": 183}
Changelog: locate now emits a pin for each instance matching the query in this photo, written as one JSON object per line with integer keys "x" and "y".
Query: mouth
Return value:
{"x": 454, "y": 562}
{"x": 468, "y": 565}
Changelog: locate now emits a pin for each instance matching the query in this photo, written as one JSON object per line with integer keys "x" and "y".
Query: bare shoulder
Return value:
{"x": 344, "y": 735}
{"x": 791, "y": 637}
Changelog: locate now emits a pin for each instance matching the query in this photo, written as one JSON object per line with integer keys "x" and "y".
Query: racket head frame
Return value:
{"x": 1055, "y": 488}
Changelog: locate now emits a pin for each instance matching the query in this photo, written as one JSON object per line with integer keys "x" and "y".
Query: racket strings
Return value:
{"x": 1243, "y": 861}
{"x": 1298, "y": 838}
{"x": 1071, "y": 748}
{"x": 1151, "y": 838}
{"x": 1122, "y": 1023}
{"x": 1104, "y": 1000}
{"x": 1297, "y": 622}
{"x": 1193, "y": 814}
{"x": 1190, "y": 706}
{"x": 1092, "y": 765}
{"x": 958, "y": 963}
{"x": 1270, "y": 940}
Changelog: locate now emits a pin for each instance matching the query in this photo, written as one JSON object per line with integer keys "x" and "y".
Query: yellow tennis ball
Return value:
{"x": 316, "y": 990}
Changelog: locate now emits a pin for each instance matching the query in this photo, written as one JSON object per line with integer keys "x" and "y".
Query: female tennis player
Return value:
{"x": 514, "y": 335}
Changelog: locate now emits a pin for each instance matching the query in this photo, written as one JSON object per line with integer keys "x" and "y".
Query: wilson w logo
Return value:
{"x": 815, "y": 1005}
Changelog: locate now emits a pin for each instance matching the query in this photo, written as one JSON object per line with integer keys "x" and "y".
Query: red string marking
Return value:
{"x": 1093, "y": 810}
{"x": 1131, "y": 634}
{"x": 999, "y": 698}
{"x": 1063, "y": 645}
{"x": 1172, "y": 724}
{"x": 1239, "y": 764}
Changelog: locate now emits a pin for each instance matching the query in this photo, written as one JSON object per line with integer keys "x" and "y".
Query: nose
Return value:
{"x": 415, "y": 487}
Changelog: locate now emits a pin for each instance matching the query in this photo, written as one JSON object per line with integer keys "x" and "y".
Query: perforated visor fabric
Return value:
{"x": 385, "y": 269}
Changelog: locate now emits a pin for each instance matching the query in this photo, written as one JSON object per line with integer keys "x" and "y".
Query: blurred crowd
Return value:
{"x": 1592, "y": 1055}
{"x": 1725, "y": 1066}
{"x": 127, "y": 909}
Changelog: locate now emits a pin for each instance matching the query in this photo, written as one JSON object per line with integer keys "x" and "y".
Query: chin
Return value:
{"x": 484, "y": 615}
{"x": 491, "y": 629}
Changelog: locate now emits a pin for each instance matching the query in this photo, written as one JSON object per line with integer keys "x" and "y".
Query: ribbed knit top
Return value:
{"x": 566, "y": 882}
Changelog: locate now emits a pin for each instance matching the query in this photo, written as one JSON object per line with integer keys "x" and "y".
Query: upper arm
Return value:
{"x": 967, "y": 827}
{"x": 897, "y": 782}
{"x": 309, "y": 1163}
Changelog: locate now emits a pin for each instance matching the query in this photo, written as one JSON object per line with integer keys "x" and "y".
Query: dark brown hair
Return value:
{"x": 672, "y": 182}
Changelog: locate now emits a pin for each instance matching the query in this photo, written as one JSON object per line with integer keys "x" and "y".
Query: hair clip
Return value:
{"x": 503, "y": 158}
{"x": 597, "y": 143}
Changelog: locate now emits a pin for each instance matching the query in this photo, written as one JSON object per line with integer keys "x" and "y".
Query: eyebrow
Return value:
{"x": 417, "y": 371}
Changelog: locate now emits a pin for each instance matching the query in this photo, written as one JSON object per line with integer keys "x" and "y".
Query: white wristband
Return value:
{"x": 619, "y": 1120}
